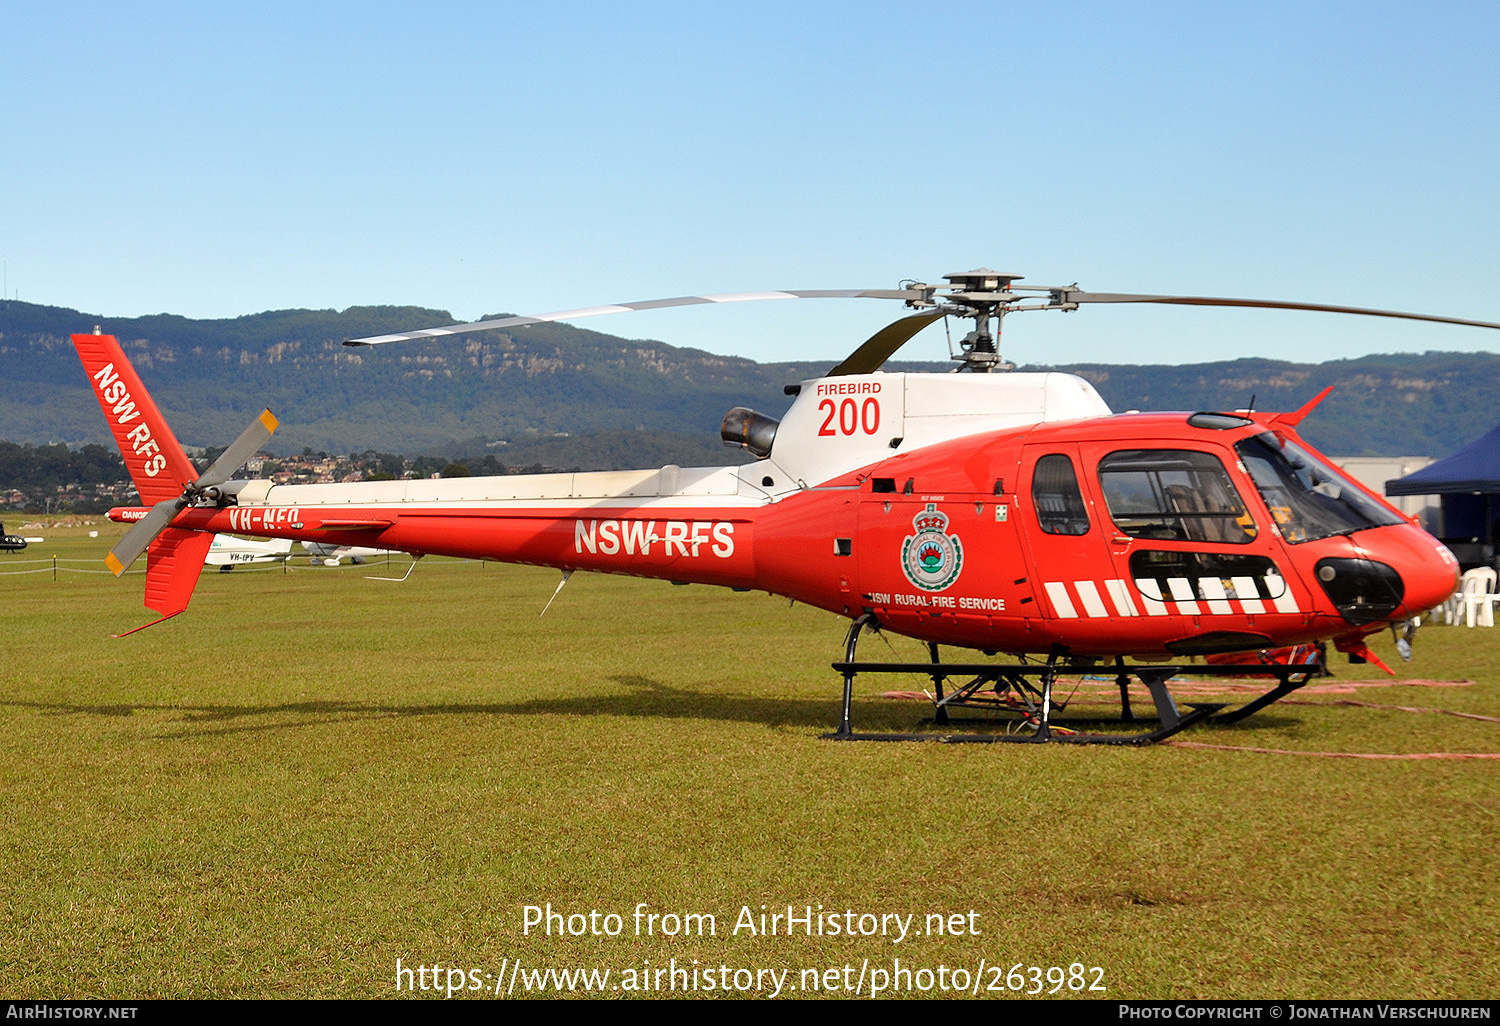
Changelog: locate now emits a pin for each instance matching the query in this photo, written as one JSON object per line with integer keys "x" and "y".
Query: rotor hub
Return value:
{"x": 981, "y": 282}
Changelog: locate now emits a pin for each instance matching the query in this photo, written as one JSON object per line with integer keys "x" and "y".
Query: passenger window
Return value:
{"x": 1059, "y": 503}
{"x": 1173, "y": 495}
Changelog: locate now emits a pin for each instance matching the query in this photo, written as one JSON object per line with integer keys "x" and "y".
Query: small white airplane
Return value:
{"x": 228, "y": 552}
{"x": 329, "y": 554}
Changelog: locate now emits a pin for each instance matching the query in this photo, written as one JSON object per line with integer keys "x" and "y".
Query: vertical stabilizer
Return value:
{"x": 157, "y": 464}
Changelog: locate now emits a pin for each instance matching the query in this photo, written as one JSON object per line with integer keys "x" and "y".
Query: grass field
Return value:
{"x": 308, "y": 776}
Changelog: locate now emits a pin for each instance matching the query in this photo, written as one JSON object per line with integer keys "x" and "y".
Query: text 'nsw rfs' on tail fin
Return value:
{"x": 157, "y": 464}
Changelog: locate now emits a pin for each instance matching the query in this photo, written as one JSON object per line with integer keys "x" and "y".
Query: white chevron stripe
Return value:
{"x": 1213, "y": 593}
{"x": 1244, "y": 587}
{"x": 1151, "y": 596}
{"x": 1182, "y": 594}
{"x": 1088, "y": 593}
{"x": 1058, "y": 593}
{"x": 1153, "y": 603}
{"x": 1281, "y": 594}
{"x": 1120, "y": 596}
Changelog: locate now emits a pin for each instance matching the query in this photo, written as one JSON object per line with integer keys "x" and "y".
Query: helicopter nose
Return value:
{"x": 1428, "y": 572}
{"x": 1435, "y": 577}
{"x": 1388, "y": 574}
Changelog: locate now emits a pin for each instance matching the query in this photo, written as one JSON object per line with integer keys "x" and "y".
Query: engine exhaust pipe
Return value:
{"x": 752, "y": 430}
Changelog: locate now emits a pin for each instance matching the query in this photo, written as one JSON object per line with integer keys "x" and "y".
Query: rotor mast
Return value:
{"x": 982, "y": 295}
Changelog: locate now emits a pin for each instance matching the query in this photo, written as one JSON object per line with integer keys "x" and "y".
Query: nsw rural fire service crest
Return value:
{"x": 931, "y": 558}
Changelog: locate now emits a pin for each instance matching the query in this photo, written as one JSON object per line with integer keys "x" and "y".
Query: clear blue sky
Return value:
{"x": 222, "y": 159}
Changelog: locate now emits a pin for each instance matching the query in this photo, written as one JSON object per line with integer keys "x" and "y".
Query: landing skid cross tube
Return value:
{"x": 1026, "y": 689}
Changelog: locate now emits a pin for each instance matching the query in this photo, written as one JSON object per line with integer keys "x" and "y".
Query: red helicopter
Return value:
{"x": 1005, "y": 512}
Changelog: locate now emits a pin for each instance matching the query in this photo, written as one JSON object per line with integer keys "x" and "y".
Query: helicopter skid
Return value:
{"x": 1052, "y": 734}
{"x": 1010, "y": 689}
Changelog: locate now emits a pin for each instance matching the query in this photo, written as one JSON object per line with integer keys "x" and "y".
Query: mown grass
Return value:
{"x": 308, "y": 776}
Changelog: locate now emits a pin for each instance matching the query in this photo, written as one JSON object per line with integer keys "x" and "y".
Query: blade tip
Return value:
{"x": 115, "y": 566}
{"x": 268, "y": 419}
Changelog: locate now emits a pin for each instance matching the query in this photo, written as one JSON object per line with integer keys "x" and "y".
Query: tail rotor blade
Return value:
{"x": 139, "y": 537}
{"x": 240, "y": 450}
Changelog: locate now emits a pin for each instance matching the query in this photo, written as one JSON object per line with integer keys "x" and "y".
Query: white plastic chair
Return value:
{"x": 1478, "y": 591}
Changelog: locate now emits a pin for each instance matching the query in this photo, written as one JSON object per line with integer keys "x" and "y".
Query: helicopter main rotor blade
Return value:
{"x": 649, "y": 304}
{"x": 1068, "y": 296}
{"x": 129, "y": 548}
{"x": 239, "y": 451}
{"x": 880, "y": 346}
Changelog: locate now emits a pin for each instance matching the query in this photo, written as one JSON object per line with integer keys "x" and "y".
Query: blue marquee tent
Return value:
{"x": 1474, "y": 468}
{"x": 1469, "y": 483}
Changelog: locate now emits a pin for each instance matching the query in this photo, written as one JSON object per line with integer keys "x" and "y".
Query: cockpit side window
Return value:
{"x": 1307, "y": 498}
{"x": 1059, "y": 503}
{"x": 1174, "y": 495}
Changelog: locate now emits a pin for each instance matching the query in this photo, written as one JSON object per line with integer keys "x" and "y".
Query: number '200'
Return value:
{"x": 849, "y": 417}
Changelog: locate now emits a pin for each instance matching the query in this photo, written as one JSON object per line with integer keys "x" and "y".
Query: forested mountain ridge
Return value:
{"x": 1407, "y": 404}
{"x": 211, "y": 376}
{"x": 529, "y": 384}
